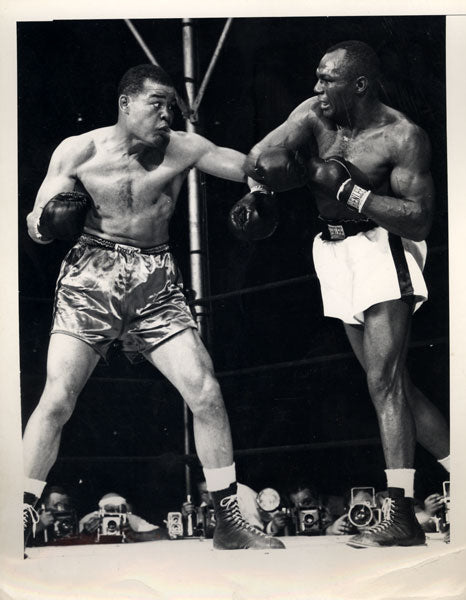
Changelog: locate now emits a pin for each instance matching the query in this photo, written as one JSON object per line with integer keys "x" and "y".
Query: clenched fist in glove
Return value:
{"x": 333, "y": 175}
{"x": 255, "y": 216}
{"x": 63, "y": 216}
{"x": 278, "y": 168}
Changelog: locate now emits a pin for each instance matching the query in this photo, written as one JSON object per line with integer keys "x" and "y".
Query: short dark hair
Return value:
{"x": 360, "y": 59}
{"x": 54, "y": 489}
{"x": 133, "y": 80}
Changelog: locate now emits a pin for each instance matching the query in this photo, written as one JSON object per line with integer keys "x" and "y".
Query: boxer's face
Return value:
{"x": 149, "y": 113}
{"x": 334, "y": 87}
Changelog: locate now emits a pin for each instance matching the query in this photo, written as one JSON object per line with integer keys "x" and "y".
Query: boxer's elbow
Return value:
{"x": 420, "y": 226}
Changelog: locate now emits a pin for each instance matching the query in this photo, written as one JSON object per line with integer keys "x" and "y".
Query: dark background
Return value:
{"x": 68, "y": 73}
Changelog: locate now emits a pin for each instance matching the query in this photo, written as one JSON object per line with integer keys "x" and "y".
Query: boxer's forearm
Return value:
{"x": 406, "y": 218}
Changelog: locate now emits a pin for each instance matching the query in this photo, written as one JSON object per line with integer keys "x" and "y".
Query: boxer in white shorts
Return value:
{"x": 369, "y": 173}
{"x": 366, "y": 269}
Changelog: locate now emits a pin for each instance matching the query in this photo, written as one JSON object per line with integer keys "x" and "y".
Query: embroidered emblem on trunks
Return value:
{"x": 336, "y": 232}
{"x": 128, "y": 249}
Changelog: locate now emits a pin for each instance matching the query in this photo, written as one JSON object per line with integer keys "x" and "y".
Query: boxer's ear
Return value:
{"x": 123, "y": 103}
{"x": 361, "y": 84}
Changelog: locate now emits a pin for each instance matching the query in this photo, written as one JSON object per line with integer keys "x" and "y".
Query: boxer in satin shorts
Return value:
{"x": 117, "y": 187}
{"x": 107, "y": 292}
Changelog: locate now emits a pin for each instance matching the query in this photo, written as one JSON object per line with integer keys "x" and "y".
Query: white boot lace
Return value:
{"x": 230, "y": 503}
{"x": 387, "y": 512}
{"x": 30, "y": 516}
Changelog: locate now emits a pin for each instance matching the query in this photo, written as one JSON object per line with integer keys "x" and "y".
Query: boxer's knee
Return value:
{"x": 57, "y": 401}
{"x": 385, "y": 383}
{"x": 204, "y": 396}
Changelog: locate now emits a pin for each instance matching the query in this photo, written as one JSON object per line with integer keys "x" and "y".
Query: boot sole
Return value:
{"x": 404, "y": 543}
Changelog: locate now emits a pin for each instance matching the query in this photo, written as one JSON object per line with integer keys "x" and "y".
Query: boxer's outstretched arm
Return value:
{"x": 61, "y": 177}
{"x": 225, "y": 163}
{"x": 409, "y": 212}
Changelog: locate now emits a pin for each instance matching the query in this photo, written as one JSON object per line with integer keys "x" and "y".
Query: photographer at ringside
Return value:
{"x": 135, "y": 528}
{"x": 304, "y": 499}
{"x": 57, "y": 517}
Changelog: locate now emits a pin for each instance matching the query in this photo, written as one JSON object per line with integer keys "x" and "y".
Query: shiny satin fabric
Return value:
{"x": 108, "y": 294}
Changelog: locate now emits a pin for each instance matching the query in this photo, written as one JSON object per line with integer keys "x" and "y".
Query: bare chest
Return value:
{"x": 129, "y": 184}
{"x": 367, "y": 152}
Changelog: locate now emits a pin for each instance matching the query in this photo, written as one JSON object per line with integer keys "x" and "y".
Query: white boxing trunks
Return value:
{"x": 368, "y": 268}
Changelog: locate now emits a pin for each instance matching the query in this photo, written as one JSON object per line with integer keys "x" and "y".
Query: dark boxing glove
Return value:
{"x": 63, "y": 216}
{"x": 278, "y": 168}
{"x": 333, "y": 175}
{"x": 255, "y": 216}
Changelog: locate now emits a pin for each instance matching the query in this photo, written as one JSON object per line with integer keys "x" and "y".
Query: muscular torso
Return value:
{"x": 370, "y": 151}
{"x": 134, "y": 193}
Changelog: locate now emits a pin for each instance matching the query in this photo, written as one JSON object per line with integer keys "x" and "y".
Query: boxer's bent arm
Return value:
{"x": 294, "y": 133}
{"x": 61, "y": 177}
{"x": 409, "y": 212}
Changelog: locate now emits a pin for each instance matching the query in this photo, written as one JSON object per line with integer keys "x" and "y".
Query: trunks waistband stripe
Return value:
{"x": 334, "y": 230}
{"x": 93, "y": 240}
{"x": 401, "y": 265}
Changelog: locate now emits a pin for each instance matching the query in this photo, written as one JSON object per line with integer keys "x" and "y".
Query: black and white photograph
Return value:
{"x": 233, "y": 329}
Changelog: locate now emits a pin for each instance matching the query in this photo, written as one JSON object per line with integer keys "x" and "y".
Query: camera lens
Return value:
{"x": 111, "y": 526}
{"x": 309, "y": 519}
{"x": 360, "y": 515}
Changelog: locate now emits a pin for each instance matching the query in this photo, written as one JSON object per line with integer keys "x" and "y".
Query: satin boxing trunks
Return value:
{"x": 360, "y": 264}
{"x": 107, "y": 292}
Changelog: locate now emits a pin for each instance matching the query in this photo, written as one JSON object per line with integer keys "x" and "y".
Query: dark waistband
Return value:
{"x": 93, "y": 240}
{"x": 334, "y": 230}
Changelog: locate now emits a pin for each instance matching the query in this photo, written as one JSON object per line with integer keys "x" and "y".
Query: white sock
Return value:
{"x": 445, "y": 462}
{"x": 401, "y": 478}
{"x": 221, "y": 478}
{"x": 34, "y": 486}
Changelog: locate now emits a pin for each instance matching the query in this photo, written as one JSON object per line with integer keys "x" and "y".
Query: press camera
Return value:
{"x": 175, "y": 525}
{"x": 308, "y": 520}
{"x": 65, "y": 525}
{"x": 111, "y": 525}
{"x": 442, "y": 518}
{"x": 363, "y": 511}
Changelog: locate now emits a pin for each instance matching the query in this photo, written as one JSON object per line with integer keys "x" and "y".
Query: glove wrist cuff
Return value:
{"x": 262, "y": 189}
{"x": 42, "y": 238}
{"x": 352, "y": 195}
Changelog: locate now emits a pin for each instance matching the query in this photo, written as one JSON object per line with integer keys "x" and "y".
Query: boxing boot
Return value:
{"x": 399, "y": 526}
{"x": 232, "y": 532}
{"x": 30, "y": 516}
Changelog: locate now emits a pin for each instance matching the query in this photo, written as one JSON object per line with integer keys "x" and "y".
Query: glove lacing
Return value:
{"x": 30, "y": 517}
{"x": 230, "y": 503}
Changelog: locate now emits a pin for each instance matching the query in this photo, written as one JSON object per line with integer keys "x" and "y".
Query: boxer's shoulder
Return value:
{"x": 78, "y": 148}
{"x": 402, "y": 135}
{"x": 187, "y": 146}
{"x": 309, "y": 110}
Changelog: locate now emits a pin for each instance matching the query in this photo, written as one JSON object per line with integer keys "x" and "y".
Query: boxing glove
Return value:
{"x": 64, "y": 215}
{"x": 333, "y": 175}
{"x": 278, "y": 168}
{"x": 255, "y": 216}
